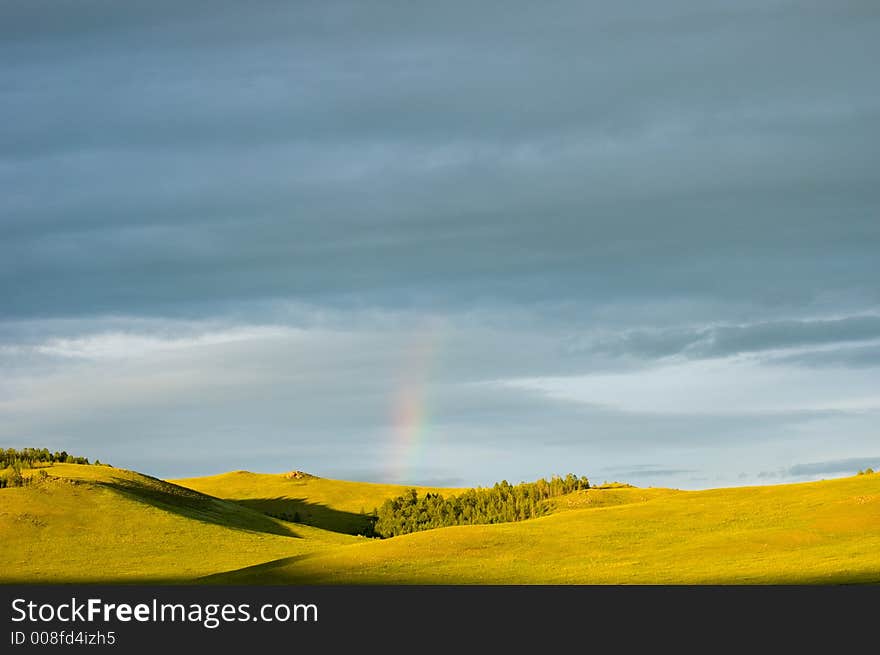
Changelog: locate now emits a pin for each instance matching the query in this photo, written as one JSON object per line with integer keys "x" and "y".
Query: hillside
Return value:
{"x": 100, "y": 524}
{"x": 337, "y": 505}
{"x": 96, "y": 523}
{"x": 820, "y": 532}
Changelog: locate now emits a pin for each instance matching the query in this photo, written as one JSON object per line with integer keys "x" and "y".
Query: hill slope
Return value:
{"x": 336, "y": 505}
{"x": 99, "y": 524}
{"x": 96, "y": 523}
{"x": 821, "y": 532}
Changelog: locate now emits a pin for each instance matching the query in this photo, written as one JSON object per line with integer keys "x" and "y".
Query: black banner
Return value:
{"x": 134, "y": 619}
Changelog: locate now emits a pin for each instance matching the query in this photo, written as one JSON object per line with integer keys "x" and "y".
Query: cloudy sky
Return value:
{"x": 440, "y": 242}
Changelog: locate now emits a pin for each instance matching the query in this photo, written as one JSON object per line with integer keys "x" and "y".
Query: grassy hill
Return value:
{"x": 820, "y": 532}
{"x": 96, "y": 523}
{"x": 99, "y": 524}
{"x": 336, "y": 505}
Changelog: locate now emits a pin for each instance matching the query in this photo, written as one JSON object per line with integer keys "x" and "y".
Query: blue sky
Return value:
{"x": 439, "y": 243}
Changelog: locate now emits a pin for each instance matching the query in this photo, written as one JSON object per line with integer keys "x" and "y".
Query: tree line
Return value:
{"x": 27, "y": 457}
{"x": 501, "y": 503}
{"x": 13, "y": 461}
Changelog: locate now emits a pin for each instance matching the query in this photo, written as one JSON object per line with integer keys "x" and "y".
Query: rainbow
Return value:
{"x": 409, "y": 407}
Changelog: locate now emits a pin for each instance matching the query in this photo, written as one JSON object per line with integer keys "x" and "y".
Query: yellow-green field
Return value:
{"x": 336, "y": 505}
{"x": 96, "y": 523}
{"x": 99, "y": 524}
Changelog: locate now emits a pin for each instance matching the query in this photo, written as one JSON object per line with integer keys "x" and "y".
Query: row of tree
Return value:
{"x": 28, "y": 457}
{"x": 501, "y": 503}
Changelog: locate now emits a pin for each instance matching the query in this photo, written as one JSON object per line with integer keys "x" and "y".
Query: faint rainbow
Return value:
{"x": 410, "y": 413}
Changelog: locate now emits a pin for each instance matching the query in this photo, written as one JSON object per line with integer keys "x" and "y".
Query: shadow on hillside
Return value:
{"x": 317, "y": 515}
{"x": 195, "y": 505}
{"x": 265, "y": 572}
{"x": 100, "y": 580}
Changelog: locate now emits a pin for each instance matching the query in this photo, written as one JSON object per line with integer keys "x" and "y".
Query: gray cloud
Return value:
{"x": 848, "y": 466}
{"x": 329, "y": 153}
{"x": 212, "y": 397}
{"x": 845, "y": 357}
{"x": 574, "y": 189}
{"x": 727, "y": 340}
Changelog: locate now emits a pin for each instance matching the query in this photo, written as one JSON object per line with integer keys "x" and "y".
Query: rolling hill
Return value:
{"x": 337, "y": 505}
{"x": 99, "y": 524}
{"x": 821, "y": 532}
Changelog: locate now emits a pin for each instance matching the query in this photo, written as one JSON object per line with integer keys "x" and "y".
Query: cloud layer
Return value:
{"x": 640, "y": 239}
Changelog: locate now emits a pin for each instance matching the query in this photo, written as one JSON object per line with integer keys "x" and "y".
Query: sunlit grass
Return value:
{"x": 337, "y": 505}
{"x": 99, "y": 524}
{"x": 822, "y": 532}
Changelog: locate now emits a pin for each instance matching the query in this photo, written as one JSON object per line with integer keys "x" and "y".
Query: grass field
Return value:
{"x": 336, "y": 505}
{"x": 98, "y": 524}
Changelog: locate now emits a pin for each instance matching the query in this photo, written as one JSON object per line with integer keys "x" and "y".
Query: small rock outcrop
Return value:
{"x": 297, "y": 475}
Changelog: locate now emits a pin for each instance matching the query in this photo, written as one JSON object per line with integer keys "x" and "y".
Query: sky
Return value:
{"x": 443, "y": 243}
